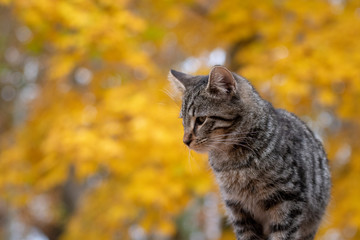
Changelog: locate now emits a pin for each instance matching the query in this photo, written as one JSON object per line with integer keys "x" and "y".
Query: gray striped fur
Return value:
{"x": 272, "y": 171}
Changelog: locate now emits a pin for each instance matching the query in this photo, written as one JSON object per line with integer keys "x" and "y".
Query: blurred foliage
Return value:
{"x": 91, "y": 143}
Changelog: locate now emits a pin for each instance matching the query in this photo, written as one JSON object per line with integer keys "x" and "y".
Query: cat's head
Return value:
{"x": 213, "y": 107}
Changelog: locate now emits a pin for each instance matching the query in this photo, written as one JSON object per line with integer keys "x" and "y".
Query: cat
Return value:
{"x": 272, "y": 171}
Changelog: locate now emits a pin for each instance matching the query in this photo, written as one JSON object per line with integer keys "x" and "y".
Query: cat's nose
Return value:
{"x": 187, "y": 139}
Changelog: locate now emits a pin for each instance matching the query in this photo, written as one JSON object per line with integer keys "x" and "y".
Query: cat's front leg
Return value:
{"x": 292, "y": 234}
{"x": 286, "y": 222}
{"x": 245, "y": 226}
{"x": 246, "y": 229}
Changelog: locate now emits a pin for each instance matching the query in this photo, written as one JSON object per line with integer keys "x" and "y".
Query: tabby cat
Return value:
{"x": 272, "y": 171}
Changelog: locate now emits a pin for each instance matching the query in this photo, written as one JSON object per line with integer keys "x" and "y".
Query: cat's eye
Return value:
{"x": 200, "y": 120}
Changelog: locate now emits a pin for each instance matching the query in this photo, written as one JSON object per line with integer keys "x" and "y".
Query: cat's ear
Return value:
{"x": 221, "y": 81}
{"x": 180, "y": 81}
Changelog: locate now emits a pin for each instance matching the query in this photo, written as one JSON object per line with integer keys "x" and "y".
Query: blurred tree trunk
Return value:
{"x": 232, "y": 58}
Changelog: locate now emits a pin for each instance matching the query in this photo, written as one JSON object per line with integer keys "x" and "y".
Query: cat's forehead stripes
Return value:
{"x": 189, "y": 106}
{"x": 191, "y": 109}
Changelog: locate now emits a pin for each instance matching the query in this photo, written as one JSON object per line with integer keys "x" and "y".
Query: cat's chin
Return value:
{"x": 199, "y": 149}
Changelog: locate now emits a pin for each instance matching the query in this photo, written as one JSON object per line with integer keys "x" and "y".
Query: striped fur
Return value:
{"x": 272, "y": 171}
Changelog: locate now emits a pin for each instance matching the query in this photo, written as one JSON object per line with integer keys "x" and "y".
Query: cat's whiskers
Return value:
{"x": 215, "y": 148}
{"x": 238, "y": 133}
{"x": 189, "y": 159}
{"x": 233, "y": 143}
{"x": 201, "y": 141}
{"x": 231, "y": 140}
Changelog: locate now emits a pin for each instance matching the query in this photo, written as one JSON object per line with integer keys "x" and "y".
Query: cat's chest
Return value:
{"x": 235, "y": 175}
{"x": 240, "y": 184}
{"x": 244, "y": 187}
{"x": 235, "y": 181}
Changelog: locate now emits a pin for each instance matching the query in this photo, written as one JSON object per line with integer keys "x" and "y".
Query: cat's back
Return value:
{"x": 308, "y": 156}
{"x": 298, "y": 134}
